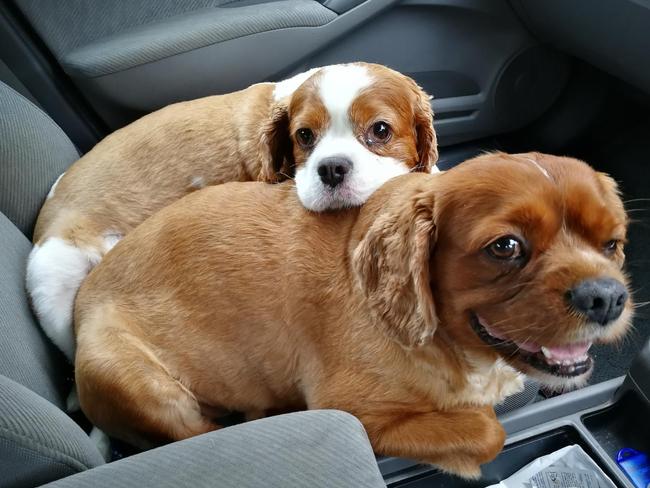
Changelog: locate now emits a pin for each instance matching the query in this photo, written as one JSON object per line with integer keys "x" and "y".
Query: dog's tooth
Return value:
{"x": 546, "y": 352}
{"x": 572, "y": 369}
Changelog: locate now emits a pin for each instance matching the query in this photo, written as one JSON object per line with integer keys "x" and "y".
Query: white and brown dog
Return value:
{"x": 414, "y": 312}
{"x": 341, "y": 130}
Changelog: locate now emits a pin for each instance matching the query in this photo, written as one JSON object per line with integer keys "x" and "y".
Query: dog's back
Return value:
{"x": 121, "y": 181}
{"x": 407, "y": 312}
{"x": 208, "y": 276}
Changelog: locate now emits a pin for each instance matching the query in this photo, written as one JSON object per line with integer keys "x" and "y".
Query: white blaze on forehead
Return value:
{"x": 338, "y": 86}
{"x": 537, "y": 165}
{"x": 286, "y": 87}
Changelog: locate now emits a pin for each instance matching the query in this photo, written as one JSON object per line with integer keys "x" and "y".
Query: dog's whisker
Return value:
{"x": 512, "y": 319}
{"x": 636, "y": 200}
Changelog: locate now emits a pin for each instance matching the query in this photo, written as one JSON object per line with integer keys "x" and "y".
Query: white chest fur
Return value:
{"x": 490, "y": 382}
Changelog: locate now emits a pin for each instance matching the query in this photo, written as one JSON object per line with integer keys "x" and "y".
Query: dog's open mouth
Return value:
{"x": 565, "y": 361}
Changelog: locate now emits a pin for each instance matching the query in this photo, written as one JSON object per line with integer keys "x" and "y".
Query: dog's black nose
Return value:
{"x": 600, "y": 300}
{"x": 332, "y": 170}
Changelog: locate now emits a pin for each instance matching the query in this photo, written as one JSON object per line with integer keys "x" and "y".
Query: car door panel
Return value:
{"x": 485, "y": 71}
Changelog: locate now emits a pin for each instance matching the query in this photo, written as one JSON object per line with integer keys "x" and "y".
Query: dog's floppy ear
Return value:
{"x": 427, "y": 142}
{"x": 275, "y": 149}
{"x": 391, "y": 264}
{"x": 612, "y": 194}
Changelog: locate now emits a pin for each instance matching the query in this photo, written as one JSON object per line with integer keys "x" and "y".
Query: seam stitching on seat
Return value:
{"x": 65, "y": 459}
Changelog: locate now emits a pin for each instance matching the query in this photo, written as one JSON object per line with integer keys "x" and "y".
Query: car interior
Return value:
{"x": 567, "y": 78}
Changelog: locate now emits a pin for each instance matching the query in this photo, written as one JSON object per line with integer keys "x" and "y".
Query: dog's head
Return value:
{"x": 522, "y": 256}
{"x": 345, "y": 131}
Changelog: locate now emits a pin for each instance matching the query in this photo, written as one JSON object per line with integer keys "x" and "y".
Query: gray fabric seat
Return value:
{"x": 26, "y": 354}
{"x": 34, "y": 151}
{"x": 321, "y": 448}
{"x": 39, "y": 443}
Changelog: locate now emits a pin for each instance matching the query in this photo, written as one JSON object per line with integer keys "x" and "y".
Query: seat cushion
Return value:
{"x": 34, "y": 151}
{"x": 38, "y": 442}
{"x": 26, "y": 355}
{"x": 320, "y": 448}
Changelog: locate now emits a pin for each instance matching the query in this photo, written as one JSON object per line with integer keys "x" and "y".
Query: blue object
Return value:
{"x": 636, "y": 465}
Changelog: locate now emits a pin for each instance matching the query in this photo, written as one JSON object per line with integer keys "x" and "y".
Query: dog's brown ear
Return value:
{"x": 391, "y": 264}
{"x": 427, "y": 142}
{"x": 275, "y": 149}
{"x": 612, "y": 194}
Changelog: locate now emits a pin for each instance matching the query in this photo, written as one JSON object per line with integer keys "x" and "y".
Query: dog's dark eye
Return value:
{"x": 506, "y": 248}
{"x": 378, "y": 133}
{"x": 305, "y": 137}
{"x": 610, "y": 247}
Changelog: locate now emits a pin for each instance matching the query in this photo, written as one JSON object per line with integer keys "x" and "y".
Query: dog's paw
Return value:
{"x": 463, "y": 467}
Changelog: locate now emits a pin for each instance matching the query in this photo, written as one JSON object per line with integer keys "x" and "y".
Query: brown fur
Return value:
{"x": 242, "y": 136}
{"x": 392, "y": 98}
{"x": 144, "y": 166}
{"x": 236, "y": 298}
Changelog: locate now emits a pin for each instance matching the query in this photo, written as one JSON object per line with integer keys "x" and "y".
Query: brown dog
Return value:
{"x": 343, "y": 130}
{"x": 405, "y": 312}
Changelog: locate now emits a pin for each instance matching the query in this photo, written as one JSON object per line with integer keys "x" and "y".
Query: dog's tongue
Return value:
{"x": 569, "y": 351}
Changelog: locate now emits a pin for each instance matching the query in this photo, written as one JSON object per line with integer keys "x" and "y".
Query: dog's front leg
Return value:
{"x": 457, "y": 441}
